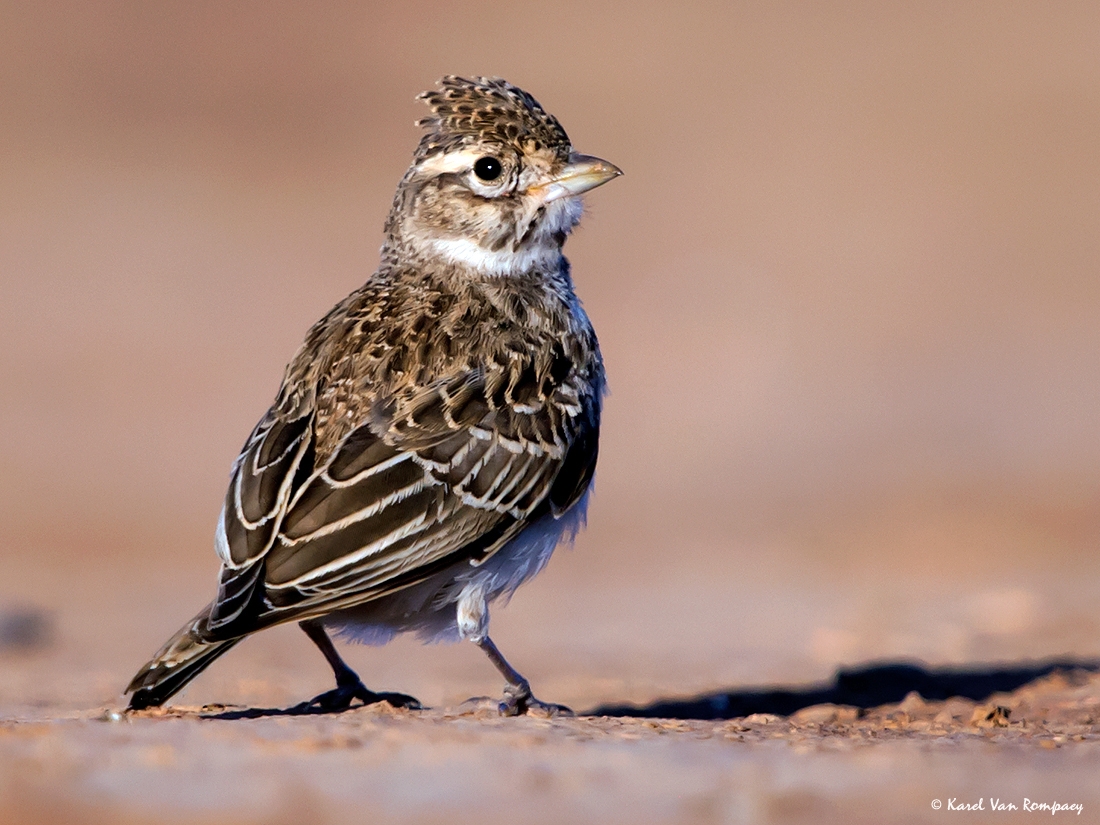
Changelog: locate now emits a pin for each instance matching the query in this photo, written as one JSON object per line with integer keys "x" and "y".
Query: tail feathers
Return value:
{"x": 181, "y": 659}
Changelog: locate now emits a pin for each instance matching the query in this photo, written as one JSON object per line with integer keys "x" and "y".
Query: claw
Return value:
{"x": 342, "y": 697}
{"x": 400, "y": 700}
{"x": 519, "y": 700}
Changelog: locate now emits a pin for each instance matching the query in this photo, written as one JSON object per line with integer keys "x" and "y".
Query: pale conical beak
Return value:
{"x": 582, "y": 173}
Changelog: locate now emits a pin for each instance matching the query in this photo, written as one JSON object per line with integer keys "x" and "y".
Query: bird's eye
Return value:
{"x": 487, "y": 168}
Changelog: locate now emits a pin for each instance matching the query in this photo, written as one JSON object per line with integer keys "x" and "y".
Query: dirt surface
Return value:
{"x": 848, "y": 300}
{"x": 1037, "y": 745}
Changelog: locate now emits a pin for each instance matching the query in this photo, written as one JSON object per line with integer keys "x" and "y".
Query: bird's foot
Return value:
{"x": 341, "y": 698}
{"x": 519, "y": 700}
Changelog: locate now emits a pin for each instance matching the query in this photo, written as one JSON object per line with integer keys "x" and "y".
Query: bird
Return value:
{"x": 435, "y": 436}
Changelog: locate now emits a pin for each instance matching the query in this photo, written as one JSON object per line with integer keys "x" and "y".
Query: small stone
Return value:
{"x": 815, "y": 715}
{"x": 760, "y": 719}
{"x": 912, "y": 703}
{"x": 896, "y": 720}
{"x": 990, "y": 716}
{"x": 953, "y": 711}
{"x": 846, "y": 715}
{"x": 480, "y": 707}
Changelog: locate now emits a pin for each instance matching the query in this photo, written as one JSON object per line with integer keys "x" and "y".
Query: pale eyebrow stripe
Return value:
{"x": 450, "y": 162}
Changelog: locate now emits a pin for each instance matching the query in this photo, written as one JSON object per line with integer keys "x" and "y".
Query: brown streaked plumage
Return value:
{"x": 436, "y": 434}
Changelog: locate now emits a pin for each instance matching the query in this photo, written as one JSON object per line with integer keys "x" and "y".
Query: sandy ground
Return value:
{"x": 858, "y": 746}
{"x": 848, "y": 300}
{"x": 914, "y": 761}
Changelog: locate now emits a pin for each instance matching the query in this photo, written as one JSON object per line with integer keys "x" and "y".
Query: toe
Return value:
{"x": 547, "y": 710}
{"x": 337, "y": 699}
{"x": 343, "y": 697}
{"x": 519, "y": 700}
{"x": 398, "y": 700}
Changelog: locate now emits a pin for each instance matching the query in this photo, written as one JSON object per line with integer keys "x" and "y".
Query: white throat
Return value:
{"x": 466, "y": 253}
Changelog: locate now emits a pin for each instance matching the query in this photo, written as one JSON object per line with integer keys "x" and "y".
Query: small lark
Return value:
{"x": 435, "y": 436}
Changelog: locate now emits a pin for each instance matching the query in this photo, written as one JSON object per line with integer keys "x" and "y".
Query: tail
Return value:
{"x": 181, "y": 659}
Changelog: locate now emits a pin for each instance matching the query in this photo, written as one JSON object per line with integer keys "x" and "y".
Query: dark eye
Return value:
{"x": 487, "y": 168}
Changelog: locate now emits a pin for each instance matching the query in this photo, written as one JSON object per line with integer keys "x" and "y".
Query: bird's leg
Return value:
{"x": 348, "y": 685}
{"x": 517, "y": 692}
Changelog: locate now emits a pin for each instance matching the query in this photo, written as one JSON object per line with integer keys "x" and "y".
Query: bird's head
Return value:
{"x": 495, "y": 184}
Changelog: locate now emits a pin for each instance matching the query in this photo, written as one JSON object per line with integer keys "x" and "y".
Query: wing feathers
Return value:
{"x": 313, "y": 558}
{"x": 323, "y": 505}
{"x": 361, "y": 451}
{"x": 260, "y": 489}
{"x": 452, "y": 473}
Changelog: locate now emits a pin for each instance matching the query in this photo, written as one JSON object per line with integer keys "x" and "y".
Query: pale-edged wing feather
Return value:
{"x": 454, "y": 471}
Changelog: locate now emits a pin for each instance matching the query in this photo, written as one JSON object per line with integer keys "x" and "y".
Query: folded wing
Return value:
{"x": 451, "y": 472}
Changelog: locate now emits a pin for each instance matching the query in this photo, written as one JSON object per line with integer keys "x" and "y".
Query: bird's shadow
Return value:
{"x": 212, "y": 712}
{"x": 868, "y": 686}
{"x": 302, "y": 709}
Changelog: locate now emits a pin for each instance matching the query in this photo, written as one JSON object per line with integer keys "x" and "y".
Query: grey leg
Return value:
{"x": 517, "y": 692}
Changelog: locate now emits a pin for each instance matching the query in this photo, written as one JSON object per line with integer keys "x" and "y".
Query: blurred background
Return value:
{"x": 847, "y": 295}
